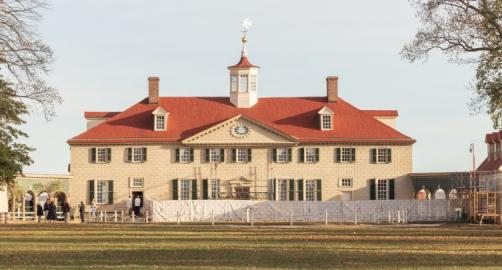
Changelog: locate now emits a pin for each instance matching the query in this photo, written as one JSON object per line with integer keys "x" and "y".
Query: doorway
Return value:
{"x": 137, "y": 194}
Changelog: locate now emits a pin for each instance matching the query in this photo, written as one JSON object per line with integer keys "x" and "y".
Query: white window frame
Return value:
{"x": 283, "y": 189}
{"x": 326, "y": 122}
{"x": 381, "y": 155}
{"x": 282, "y": 155}
{"x": 382, "y": 189}
{"x": 241, "y": 155}
{"x": 346, "y": 154}
{"x": 185, "y": 155}
{"x": 346, "y": 183}
{"x": 234, "y": 83}
{"x": 310, "y": 155}
{"x": 137, "y": 182}
{"x": 137, "y": 154}
{"x": 252, "y": 83}
{"x": 101, "y": 191}
{"x": 101, "y": 155}
{"x": 243, "y": 83}
{"x": 160, "y": 122}
{"x": 215, "y": 155}
{"x": 310, "y": 190}
{"x": 185, "y": 189}
{"x": 214, "y": 189}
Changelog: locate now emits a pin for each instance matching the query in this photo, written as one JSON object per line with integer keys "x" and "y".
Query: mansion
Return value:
{"x": 241, "y": 146}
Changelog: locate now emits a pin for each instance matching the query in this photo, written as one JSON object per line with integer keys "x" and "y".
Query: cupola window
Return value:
{"x": 243, "y": 83}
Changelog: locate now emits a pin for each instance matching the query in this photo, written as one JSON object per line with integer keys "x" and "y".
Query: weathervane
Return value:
{"x": 246, "y": 23}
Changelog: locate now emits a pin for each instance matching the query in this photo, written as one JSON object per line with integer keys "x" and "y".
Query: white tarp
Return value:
{"x": 303, "y": 211}
{"x": 4, "y": 201}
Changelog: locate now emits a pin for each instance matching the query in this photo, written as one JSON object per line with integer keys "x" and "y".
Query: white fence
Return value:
{"x": 303, "y": 211}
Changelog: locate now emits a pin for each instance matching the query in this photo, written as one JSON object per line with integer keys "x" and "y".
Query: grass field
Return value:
{"x": 107, "y": 246}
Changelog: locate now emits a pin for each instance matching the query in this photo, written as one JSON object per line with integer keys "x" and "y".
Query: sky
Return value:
{"x": 104, "y": 50}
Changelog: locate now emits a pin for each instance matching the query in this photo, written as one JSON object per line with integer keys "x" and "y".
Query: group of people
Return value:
{"x": 134, "y": 207}
{"x": 48, "y": 210}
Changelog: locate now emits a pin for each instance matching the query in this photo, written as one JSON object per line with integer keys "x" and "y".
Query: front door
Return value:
{"x": 137, "y": 194}
{"x": 242, "y": 193}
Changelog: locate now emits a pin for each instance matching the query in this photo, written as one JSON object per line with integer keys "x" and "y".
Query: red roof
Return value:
{"x": 295, "y": 116}
{"x": 100, "y": 114}
{"x": 384, "y": 113}
{"x": 243, "y": 63}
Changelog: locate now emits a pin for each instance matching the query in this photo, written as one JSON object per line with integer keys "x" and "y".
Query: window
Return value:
{"x": 282, "y": 155}
{"x": 252, "y": 83}
{"x": 185, "y": 155}
{"x": 310, "y": 190}
{"x": 283, "y": 189}
{"x": 137, "y": 182}
{"x": 381, "y": 192}
{"x": 242, "y": 155}
{"x": 326, "y": 122}
{"x": 137, "y": 154}
{"x": 381, "y": 155}
{"x": 311, "y": 155}
{"x": 345, "y": 182}
{"x": 185, "y": 189}
{"x": 233, "y": 83}
{"x": 345, "y": 154}
{"x": 101, "y": 156}
{"x": 160, "y": 122}
{"x": 102, "y": 191}
{"x": 243, "y": 83}
{"x": 215, "y": 189}
{"x": 215, "y": 155}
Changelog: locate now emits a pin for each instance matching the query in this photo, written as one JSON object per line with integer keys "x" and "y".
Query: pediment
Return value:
{"x": 240, "y": 130}
{"x": 326, "y": 110}
{"x": 159, "y": 110}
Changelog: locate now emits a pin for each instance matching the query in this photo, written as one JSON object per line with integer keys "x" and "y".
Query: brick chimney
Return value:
{"x": 332, "y": 88}
{"x": 153, "y": 90}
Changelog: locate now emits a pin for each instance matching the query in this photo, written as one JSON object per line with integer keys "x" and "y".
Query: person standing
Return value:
{"x": 46, "y": 209}
{"x": 40, "y": 212}
{"x": 66, "y": 211}
{"x": 81, "y": 209}
{"x": 137, "y": 205}
{"x": 129, "y": 205}
{"x": 93, "y": 210}
{"x": 51, "y": 216}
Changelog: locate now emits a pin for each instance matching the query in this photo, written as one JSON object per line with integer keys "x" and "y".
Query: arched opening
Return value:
{"x": 29, "y": 204}
{"x": 42, "y": 198}
{"x": 18, "y": 205}
{"x": 453, "y": 194}
{"x": 60, "y": 198}
{"x": 439, "y": 194}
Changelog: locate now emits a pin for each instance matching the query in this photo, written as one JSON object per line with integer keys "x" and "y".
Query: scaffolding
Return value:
{"x": 480, "y": 190}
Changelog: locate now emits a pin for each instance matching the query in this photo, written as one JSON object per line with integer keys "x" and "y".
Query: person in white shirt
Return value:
{"x": 137, "y": 206}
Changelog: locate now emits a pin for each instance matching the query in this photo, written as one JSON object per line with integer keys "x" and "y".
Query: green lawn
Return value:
{"x": 106, "y": 246}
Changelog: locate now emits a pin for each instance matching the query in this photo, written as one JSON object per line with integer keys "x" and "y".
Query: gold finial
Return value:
{"x": 246, "y": 23}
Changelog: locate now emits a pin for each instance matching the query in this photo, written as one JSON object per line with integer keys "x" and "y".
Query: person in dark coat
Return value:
{"x": 40, "y": 212}
{"x": 66, "y": 210}
{"x": 51, "y": 216}
{"x": 81, "y": 209}
{"x": 46, "y": 209}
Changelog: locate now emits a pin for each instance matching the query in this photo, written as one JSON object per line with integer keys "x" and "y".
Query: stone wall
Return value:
{"x": 283, "y": 211}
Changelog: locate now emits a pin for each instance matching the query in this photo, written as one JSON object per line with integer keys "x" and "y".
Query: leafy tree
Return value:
{"x": 24, "y": 62}
{"x": 467, "y": 31}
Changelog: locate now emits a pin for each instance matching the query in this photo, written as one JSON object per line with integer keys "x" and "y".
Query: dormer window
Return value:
{"x": 160, "y": 119}
{"x": 326, "y": 118}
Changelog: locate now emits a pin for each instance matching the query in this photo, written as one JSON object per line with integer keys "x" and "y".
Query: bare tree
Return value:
{"x": 24, "y": 56}
{"x": 467, "y": 31}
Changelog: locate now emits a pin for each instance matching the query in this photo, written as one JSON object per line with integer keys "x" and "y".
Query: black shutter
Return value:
{"x": 129, "y": 154}
{"x": 300, "y": 189}
{"x": 389, "y": 155}
{"x": 372, "y": 189}
{"x": 222, "y": 155}
{"x": 206, "y": 155}
{"x": 175, "y": 189}
{"x": 177, "y": 155}
{"x": 91, "y": 191}
{"x": 194, "y": 189}
{"x": 392, "y": 191}
{"x": 353, "y": 154}
{"x": 319, "y": 190}
{"x": 205, "y": 189}
{"x": 110, "y": 192}
{"x": 316, "y": 154}
{"x": 290, "y": 154}
{"x": 274, "y": 155}
{"x": 301, "y": 155}
{"x": 273, "y": 189}
{"x": 373, "y": 155}
{"x": 191, "y": 154}
{"x": 144, "y": 154}
{"x": 291, "y": 189}
{"x": 234, "y": 155}
{"x": 92, "y": 154}
{"x": 250, "y": 156}
{"x": 108, "y": 154}
{"x": 338, "y": 155}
